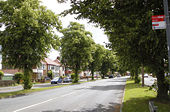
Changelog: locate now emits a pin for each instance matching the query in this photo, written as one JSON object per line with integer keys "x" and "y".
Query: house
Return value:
{"x": 40, "y": 72}
{"x": 61, "y": 67}
{"x": 53, "y": 66}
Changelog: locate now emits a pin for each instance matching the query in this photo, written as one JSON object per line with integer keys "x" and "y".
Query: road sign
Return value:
{"x": 158, "y": 22}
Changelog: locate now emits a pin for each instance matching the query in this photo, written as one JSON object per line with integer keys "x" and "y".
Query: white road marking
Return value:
{"x": 42, "y": 102}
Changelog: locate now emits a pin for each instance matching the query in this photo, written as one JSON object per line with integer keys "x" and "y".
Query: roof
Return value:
{"x": 50, "y": 62}
{"x": 43, "y": 62}
{"x": 57, "y": 61}
{"x": 10, "y": 71}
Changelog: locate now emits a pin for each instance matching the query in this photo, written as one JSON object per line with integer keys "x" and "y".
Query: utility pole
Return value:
{"x": 167, "y": 28}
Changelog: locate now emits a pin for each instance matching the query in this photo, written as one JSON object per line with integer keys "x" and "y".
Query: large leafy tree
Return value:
{"x": 76, "y": 47}
{"x": 108, "y": 62}
{"x": 128, "y": 25}
{"x": 97, "y": 56}
{"x": 28, "y": 34}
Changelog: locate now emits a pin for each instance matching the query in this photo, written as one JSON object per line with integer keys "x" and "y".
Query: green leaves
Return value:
{"x": 76, "y": 46}
{"x": 28, "y": 33}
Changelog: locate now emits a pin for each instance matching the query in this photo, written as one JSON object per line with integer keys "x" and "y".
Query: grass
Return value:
{"x": 137, "y": 99}
{"x": 23, "y": 92}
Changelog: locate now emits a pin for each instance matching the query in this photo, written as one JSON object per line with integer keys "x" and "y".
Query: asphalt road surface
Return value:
{"x": 97, "y": 96}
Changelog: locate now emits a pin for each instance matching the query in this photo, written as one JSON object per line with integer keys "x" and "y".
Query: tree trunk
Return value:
{"x": 162, "y": 92}
{"x": 136, "y": 76}
{"x": 92, "y": 73}
{"x": 103, "y": 76}
{"x": 76, "y": 74}
{"x": 142, "y": 76}
{"x": 27, "y": 79}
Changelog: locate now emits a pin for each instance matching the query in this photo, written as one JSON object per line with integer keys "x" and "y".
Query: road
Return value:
{"x": 97, "y": 96}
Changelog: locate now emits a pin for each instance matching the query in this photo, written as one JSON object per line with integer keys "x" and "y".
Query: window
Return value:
{"x": 44, "y": 66}
{"x": 52, "y": 67}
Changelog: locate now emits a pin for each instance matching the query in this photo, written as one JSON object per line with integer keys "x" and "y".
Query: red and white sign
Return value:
{"x": 158, "y": 22}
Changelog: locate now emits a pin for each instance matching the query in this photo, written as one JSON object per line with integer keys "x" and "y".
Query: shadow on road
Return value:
{"x": 116, "y": 81}
{"x": 104, "y": 88}
{"x": 107, "y": 87}
{"x": 113, "y": 107}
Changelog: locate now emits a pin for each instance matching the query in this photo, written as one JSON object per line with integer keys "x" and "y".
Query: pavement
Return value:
{"x": 20, "y": 87}
{"x": 96, "y": 96}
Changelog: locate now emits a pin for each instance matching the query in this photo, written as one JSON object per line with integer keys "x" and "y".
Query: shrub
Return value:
{"x": 18, "y": 77}
{"x": 50, "y": 74}
{"x": 1, "y": 74}
{"x": 137, "y": 80}
{"x": 72, "y": 75}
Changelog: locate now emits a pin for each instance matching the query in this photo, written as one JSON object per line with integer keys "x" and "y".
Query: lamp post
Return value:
{"x": 167, "y": 28}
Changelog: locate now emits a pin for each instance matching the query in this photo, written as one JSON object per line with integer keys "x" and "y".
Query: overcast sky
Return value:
{"x": 98, "y": 34}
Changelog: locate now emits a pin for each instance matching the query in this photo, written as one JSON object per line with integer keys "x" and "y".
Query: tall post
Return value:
{"x": 167, "y": 28}
{"x": 143, "y": 82}
{"x": 0, "y": 57}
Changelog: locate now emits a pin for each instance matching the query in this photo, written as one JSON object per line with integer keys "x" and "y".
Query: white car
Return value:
{"x": 146, "y": 75}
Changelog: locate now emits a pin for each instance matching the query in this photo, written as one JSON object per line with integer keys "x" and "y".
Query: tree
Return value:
{"x": 108, "y": 61}
{"x": 76, "y": 47}
{"x": 128, "y": 24}
{"x": 28, "y": 34}
{"x": 1, "y": 74}
{"x": 50, "y": 74}
{"x": 97, "y": 56}
{"x": 18, "y": 77}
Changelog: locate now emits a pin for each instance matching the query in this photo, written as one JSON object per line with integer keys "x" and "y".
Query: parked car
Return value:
{"x": 146, "y": 75}
{"x": 56, "y": 80}
{"x": 118, "y": 75}
{"x": 47, "y": 78}
{"x": 111, "y": 76}
{"x": 67, "y": 79}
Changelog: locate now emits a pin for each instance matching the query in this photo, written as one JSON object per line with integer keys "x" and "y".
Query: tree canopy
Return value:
{"x": 28, "y": 33}
{"x": 76, "y": 47}
{"x": 97, "y": 56}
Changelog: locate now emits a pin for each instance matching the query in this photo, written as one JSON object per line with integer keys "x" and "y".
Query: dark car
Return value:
{"x": 111, "y": 76}
{"x": 56, "y": 80}
{"x": 67, "y": 79}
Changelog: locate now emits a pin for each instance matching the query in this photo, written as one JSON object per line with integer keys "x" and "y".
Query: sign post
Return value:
{"x": 167, "y": 28}
{"x": 0, "y": 57}
{"x": 158, "y": 22}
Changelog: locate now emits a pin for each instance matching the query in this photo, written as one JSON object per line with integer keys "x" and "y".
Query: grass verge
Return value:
{"x": 137, "y": 99}
{"x": 24, "y": 92}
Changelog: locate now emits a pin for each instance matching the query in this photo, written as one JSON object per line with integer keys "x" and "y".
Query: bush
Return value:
{"x": 1, "y": 74}
{"x": 72, "y": 75}
{"x": 62, "y": 77}
{"x": 18, "y": 77}
{"x": 50, "y": 74}
{"x": 137, "y": 80}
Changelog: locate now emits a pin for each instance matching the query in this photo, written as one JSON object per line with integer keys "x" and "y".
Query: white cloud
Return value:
{"x": 98, "y": 34}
